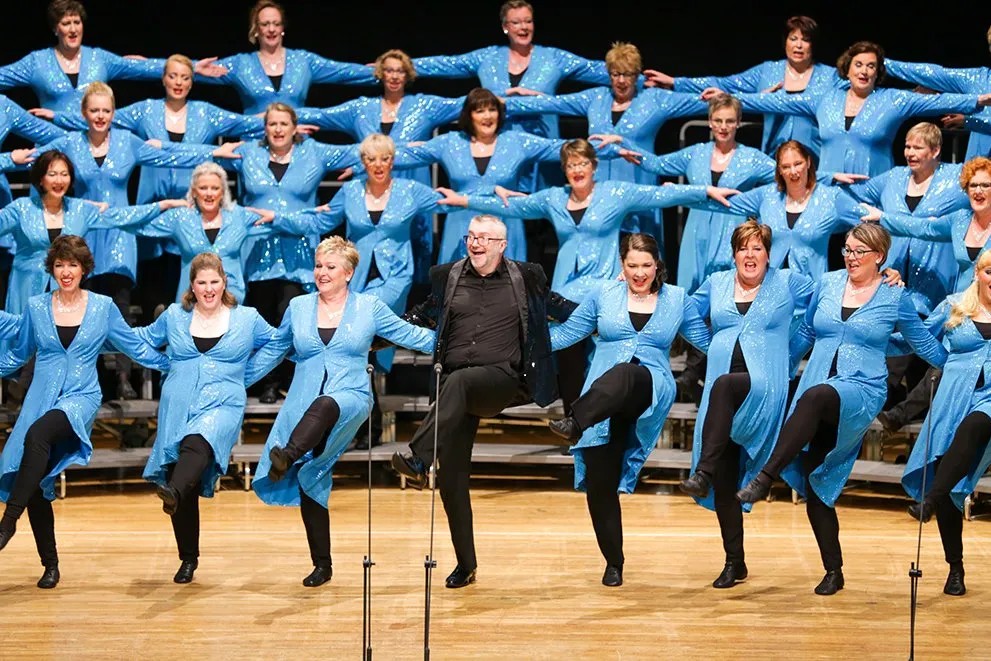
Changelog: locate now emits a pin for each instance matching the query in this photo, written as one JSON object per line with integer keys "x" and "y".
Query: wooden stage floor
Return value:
{"x": 538, "y": 594}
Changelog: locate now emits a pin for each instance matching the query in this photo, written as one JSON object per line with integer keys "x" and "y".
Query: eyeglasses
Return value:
{"x": 979, "y": 185}
{"x": 629, "y": 75}
{"x": 577, "y": 165}
{"x": 480, "y": 240}
{"x": 517, "y": 24}
{"x": 724, "y": 122}
{"x": 856, "y": 252}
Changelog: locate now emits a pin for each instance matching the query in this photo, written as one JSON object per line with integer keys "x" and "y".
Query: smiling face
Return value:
{"x": 519, "y": 27}
{"x": 393, "y": 75}
{"x": 178, "y": 80}
{"x": 279, "y": 130}
{"x": 208, "y": 193}
{"x": 378, "y": 166}
{"x": 751, "y": 261}
{"x": 861, "y": 261}
{"x": 979, "y": 192}
{"x": 99, "y": 112}
{"x": 798, "y": 49}
{"x": 793, "y": 167}
{"x": 485, "y": 121}
{"x": 57, "y": 179}
{"x": 579, "y": 171}
{"x": 331, "y": 272}
{"x": 208, "y": 288}
{"x": 269, "y": 28}
{"x": 640, "y": 270}
{"x": 723, "y": 124}
{"x": 69, "y": 32}
{"x": 863, "y": 72}
{"x": 68, "y": 274}
{"x": 485, "y": 258}
{"x": 983, "y": 277}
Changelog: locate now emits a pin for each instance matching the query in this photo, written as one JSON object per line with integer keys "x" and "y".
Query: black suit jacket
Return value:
{"x": 535, "y": 303}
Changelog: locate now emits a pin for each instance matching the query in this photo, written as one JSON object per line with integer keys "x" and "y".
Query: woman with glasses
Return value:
{"x": 626, "y": 114}
{"x": 850, "y": 321}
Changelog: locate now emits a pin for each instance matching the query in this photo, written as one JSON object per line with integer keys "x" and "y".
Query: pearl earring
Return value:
{"x": 505, "y": 31}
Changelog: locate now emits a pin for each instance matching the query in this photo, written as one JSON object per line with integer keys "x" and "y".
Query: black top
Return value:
{"x": 53, "y": 233}
{"x": 66, "y": 334}
{"x": 794, "y": 91}
{"x": 326, "y": 334}
{"x": 482, "y": 163}
{"x": 848, "y": 121}
{"x": 845, "y": 312}
{"x": 211, "y": 234}
{"x": 99, "y": 160}
{"x": 743, "y": 306}
{"x": 973, "y": 251}
{"x": 376, "y": 216}
{"x": 715, "y": 177}
{"x": 175, "y": 137}
{"x": 73, "y": 78}
{"x": 616, "y": 116}
{"x": 737, "y": 362}
{"x": 515, "y": 78}
{"x": 385, "y": 128}
{"x": 278, "y": 169}
{"x": 912, "y": 201}
{"x": 276, "y": 82}
{"x": 639, "y": 320}
{"x": 984, "y": 328}
{"x": 792, "y": 217}
{"x": 204, "y": 344}
{"x": 373, "y": 271}
{"x": 483, "y": 321}
{"x": 578, "y": 214}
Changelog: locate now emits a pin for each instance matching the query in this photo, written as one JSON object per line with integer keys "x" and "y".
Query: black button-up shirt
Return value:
{"x": 483, "y": 321}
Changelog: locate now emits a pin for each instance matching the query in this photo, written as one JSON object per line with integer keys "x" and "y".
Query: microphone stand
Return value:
{"x": 429, "y": 563}
{"x": 367, "y": 564}
{"x": 915, "y": 571}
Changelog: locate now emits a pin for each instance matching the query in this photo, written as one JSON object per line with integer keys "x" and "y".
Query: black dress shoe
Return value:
{"x": 733, "y": 573}
{"x": 954, "y": 583}
{"x": 410, "y": 466}
{"x": 6, "y": 534}
{"x": 613, "y": 576}
{"x": 460, "y": 578}
{"x": 50, "y": 578}
{"x": 567, "y": 428}
{"x": 922, "y": 511}
{"x": 891, "y": 420}
{"x": 831, "y": 583}
{"x": 757, "y": 489}
{"x": 280, "y": 460}
{"x": 689, "y": 389}
{"x": 270, "y": 395}
{"x": 697, "y": 485}
{"x": 170, "y": 498}
{"x": 318, "y": 576}
{"x": 125, "y": 390}
{"x": 185, "y": 573}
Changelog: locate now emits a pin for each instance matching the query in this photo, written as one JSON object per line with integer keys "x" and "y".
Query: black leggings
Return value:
{"x": 271, "y": 298}
{"x": 621, "y": 394}
{"x": 118, "y": 287}
{"x": 817, "y": 414}
{"x": 186, "y": 476}
{"x": 311, "y": 433}
{"x": 968, "y": 444}
{"x": 571, "y": 364}
{"x": 48, "y": 431}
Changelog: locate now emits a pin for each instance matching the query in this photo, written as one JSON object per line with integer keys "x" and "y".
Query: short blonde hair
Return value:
{"x": 203, "y": 262}
{"x": 874, "y": 237}
{"x": 970, "y": 301}
{"x": 178, "y": 58}
{"x": 395, "y": 54}
{"x": 377, "y": 143}
{"x": 207, "y": 168}
{"x": 721, "y": 101}
{"x": 929, "y": 133}
{"x": 97, "y": 89}
{"x": 336, "y": 245}
{"x": 624, "y": 58}
{"x": 972, "y": 167}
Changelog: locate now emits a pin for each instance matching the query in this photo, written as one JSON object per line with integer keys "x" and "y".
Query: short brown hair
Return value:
{"x": 645, "y": 243}
{"x": 751, "y": 229}
{"x": 804, "y": 24}
{"x": 59, "y": 9}
{"x": 874, "y": 237}
{"x": 395, "y": 54}
{"x": 338, "y": 245}
{"x": 253, "y": 17}
{"x": 972, "y": 167}
{"x": 723, "y": 100}
{"x": 510, "y": 6}
{"x": 206, "y": 261}
{"x": 40, "y": 167}
{"x": 69, "y": 248}
{"x": 278, "y": 106}
{"x": 624, "y": 58}
{"x": 859, "y": 48}
{"x": 479, "y": 99}
{"x": 579, "y": 148}
{"x": 810, "y": 178}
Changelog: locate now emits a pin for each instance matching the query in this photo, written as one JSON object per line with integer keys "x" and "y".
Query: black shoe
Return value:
{"x": 567, "y": 428}
{"x": 954, "y": 583}
{"x": 185, "y": 573}
{"x": 757, "y": 489}
{"x": 460, "y": 578}
{"x": 891, "y": 420}
{"x": 689, "y": 389}
{"x": 831, "y": 583}
{"x": 281, "y": 462}
{"x": 733, "y": 573}
{"x": 50, "y": 578}
{"x": 318, "y": 576}
{"x": 125, "y": 390}
{"x": 170, "y": 498}
{"x": 697, "y": 485}
{"x": 410, "y": 466}
{"x": 613, "y": 576}
{"x": 6, "y": 534}
{"x": 361, "y": 442}
{"x": 270, "y": 395}
{"x": 922, "y": 511}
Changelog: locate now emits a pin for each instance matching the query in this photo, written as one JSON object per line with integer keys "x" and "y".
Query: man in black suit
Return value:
{"x": 492, "y": 341}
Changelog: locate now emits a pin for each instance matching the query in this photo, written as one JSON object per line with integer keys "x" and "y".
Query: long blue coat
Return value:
{"x": 15, "y": 119}
{"x": 513, "y": 150}
{"x": 203, "y": 392}
{"x": 762, "y": 332}
{"x": 336, "y": 370}
{"x": 860, "y": 344}
{"x": 65, "y": 379}
{"x": 589, "y": 252}
{"x": 927, "y": 266}
{"x": 705, "y": 242}
{"x": 777, "y": 128}
{"x": 606, "y": 310}
{"x": 638, "y": 126}
{"x": 866, "y": 147}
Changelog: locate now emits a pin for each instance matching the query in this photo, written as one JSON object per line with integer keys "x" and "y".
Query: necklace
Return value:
{"x": 53, "y": 220}
{"x": 979, "y": 235}
{"x": 330, "y": 316}
{"x": 209, "y": 325}
{"x": 174, "y": 118}
{"x": 857, "y": 291}
{"x": 641, "y": 297}
{"x": 796, "y": 202}
{"x": 722, "y": 159}
{"x": 70, "y": 65}
{"x": 282, "y": 159}
{"x": 921, "y": 187}
{"x": 62, "y": 308}
{"x": 390, "y": 111}
{"x": 744, "y": 291}
{"x": 795, "y": 75}
{"x": 484, "y": 147}
{"x": 380, "y": 199}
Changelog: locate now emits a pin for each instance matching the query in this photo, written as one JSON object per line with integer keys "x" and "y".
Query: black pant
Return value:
{"x": 916, "y": 402}
{"x": 816, "y": 415}
{"x": 50, "y": 430}
{"x": 695, "y": 364}
{"x": 158, "y": 281}
{"x": 720, "y": 458}
{"x": 271, "y": 299}
{"x": 621, "y": 394}
{"x": 968, "y": 444}
{"x": 311, "y": 433}
{"x": 466, "y": 395}
{"x": 186, "y": 475}
{"x": 571, "y": 365}
{"x": 118, "y": 287}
